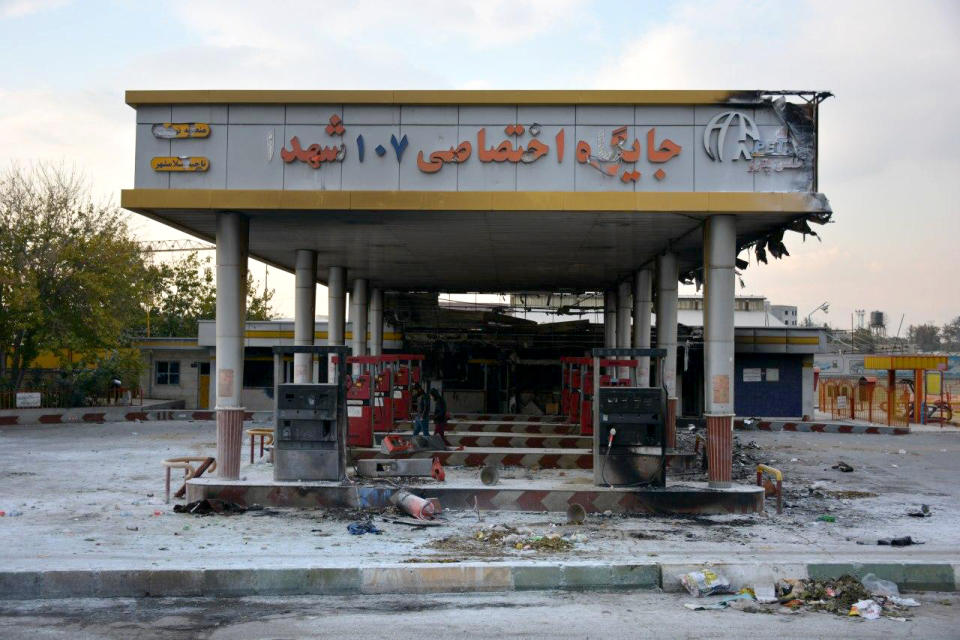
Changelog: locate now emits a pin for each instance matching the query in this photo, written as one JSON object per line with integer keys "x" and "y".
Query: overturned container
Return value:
{"x": 415, "y": 506}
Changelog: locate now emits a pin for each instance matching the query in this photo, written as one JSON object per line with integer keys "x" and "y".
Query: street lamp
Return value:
{"x": 824, "y": 306}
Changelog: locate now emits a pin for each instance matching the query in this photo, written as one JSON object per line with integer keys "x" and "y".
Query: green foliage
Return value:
{"x": 951, "y": 335}
{"x": 925, "y": 336}
{"x": 91, "y": 381}
{"x": 71, "y": 276}
{"x": 183, "y": 292}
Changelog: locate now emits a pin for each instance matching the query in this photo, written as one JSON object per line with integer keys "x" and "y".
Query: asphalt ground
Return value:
{"x": 536, "y": 614}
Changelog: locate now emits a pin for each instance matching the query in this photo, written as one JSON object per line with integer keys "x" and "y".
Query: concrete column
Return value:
{"x": 375, "y": 320}
{"x": 232, "y": 239}
{"x": 610, "y": 319}
{"x": 667, "y": 277}
{"x": 642, "y": 308}
{"x": 808, "y": 393}
{"x": 358, "y": 319}
{"x": 623, "y": 322}
{"x": 304, "y": 315}
{"x": 719, "y": 255}
{"x": 667, "y": 287}
{"x": 336, "y": 313}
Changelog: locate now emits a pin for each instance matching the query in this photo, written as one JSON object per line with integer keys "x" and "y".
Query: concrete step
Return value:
{"x": 518, "y": 440}
{"x": 488, "y": 426}
{"x": 506, "y": 417}
{"x": 529, "y": 458}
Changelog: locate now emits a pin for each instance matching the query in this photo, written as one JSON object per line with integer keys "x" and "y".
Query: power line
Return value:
{"x": 165, "y": 246}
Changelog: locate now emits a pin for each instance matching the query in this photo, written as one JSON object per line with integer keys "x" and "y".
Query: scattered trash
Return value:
{"x": 902, "y": 452}
{"x": 705, "y": 582}
{"x": 208, "y": 506}
{"x": 524, "y": 540}
{"x": 576, "y": 514}
{"x": 922, "y": 512}
{"x": 826, "y": 518}
{"x": 719, "y": 604}
{"x": 132, "y": 528}
{"x": 14, "y": 514}
{"x": 360, "y": 528}
{"x": 903, "y": 602}
{"x": 842, "y": 466}
{"x": 868, "y": 598}
{"x": 879, "y": 587}
{"x": 413, "y": 522}
{"x": 489, "y": 475}
{"x": 765, "y": 593}
{"x": 867, "y": 609}
{"x": 905, "y": 541}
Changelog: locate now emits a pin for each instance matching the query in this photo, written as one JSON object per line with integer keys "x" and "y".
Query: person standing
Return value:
{"x": 439, "y": 415}
{"x": 421, "y": 420}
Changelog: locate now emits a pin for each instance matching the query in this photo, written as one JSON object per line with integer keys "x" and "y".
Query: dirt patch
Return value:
{"x": 500, "y": 540}
{"x": 851, "y": 495}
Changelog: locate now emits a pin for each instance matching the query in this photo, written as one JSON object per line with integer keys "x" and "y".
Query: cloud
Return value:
{"x": 20, "y": 8}
{"x": 887, "y": 162}
{"x": 436, "y": 24}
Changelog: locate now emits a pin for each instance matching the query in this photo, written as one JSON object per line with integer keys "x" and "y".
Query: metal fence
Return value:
{"x": 60, "y": 400}
{"x": 48, "y": 399}
{"x": 866, "y": 399}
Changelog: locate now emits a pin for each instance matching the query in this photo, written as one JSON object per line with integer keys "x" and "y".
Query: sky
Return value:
{"x": 889, "y": 160}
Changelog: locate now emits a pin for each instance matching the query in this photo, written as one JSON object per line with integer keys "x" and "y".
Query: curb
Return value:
{"x": 123, "y": 414}
{"x": 819, "y": 427}
{"x": 437, "y": 578}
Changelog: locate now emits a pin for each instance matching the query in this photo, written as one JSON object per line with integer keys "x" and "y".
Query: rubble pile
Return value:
{"x": 746, "y": 457}
{"x": 503, "y": 539}
{"x": 845, "y": 596}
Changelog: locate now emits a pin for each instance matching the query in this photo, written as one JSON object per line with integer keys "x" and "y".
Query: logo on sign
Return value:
{"x": 715, "y": 135}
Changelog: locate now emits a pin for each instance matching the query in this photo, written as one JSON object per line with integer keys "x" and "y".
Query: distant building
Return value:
{"x": 785, "y": 313}
{"x": 748, "y": 311}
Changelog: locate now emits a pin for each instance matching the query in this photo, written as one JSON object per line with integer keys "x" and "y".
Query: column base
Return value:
{"x": 719, "y": 450}
{"x": 671, "y": 434}
{"x": 229, "y": 441}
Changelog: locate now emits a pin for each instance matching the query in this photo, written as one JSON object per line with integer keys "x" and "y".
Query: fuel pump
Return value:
{"x": 589, "y": 382}
{"x": 310, "y": 421}
{"x": 630, "y": 425}
{"x": 409, "y": 371}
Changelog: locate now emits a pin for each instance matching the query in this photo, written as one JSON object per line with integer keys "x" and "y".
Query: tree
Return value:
{"x": 951, "y": 335}
{"x": 184, "y": 292}
{"x": 71, "y": 276}
{"x": 926, "y": 337}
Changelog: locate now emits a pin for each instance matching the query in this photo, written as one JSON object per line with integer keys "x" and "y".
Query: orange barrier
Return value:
{"x": 865, "y": 398}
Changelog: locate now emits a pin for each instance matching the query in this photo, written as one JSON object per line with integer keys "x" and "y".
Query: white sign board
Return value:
{"x": 773, "y": 375}
{"x": 502, "y": 147}
{"x": 28, "y": 400}
{"x": 751, "y": 375}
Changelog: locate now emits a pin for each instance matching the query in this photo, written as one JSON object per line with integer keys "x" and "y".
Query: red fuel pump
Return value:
{"x": 380, "y": 394}
{"x": 607, "y": 379}
{"x": 359, "y": 413}
{"x": 408, "y": 371}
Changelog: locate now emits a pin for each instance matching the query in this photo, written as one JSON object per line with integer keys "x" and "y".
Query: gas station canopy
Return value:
{"x": 478, "y": 191}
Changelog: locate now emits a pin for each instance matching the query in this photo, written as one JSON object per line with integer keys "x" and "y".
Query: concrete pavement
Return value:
{"x": 531, "y": 614}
